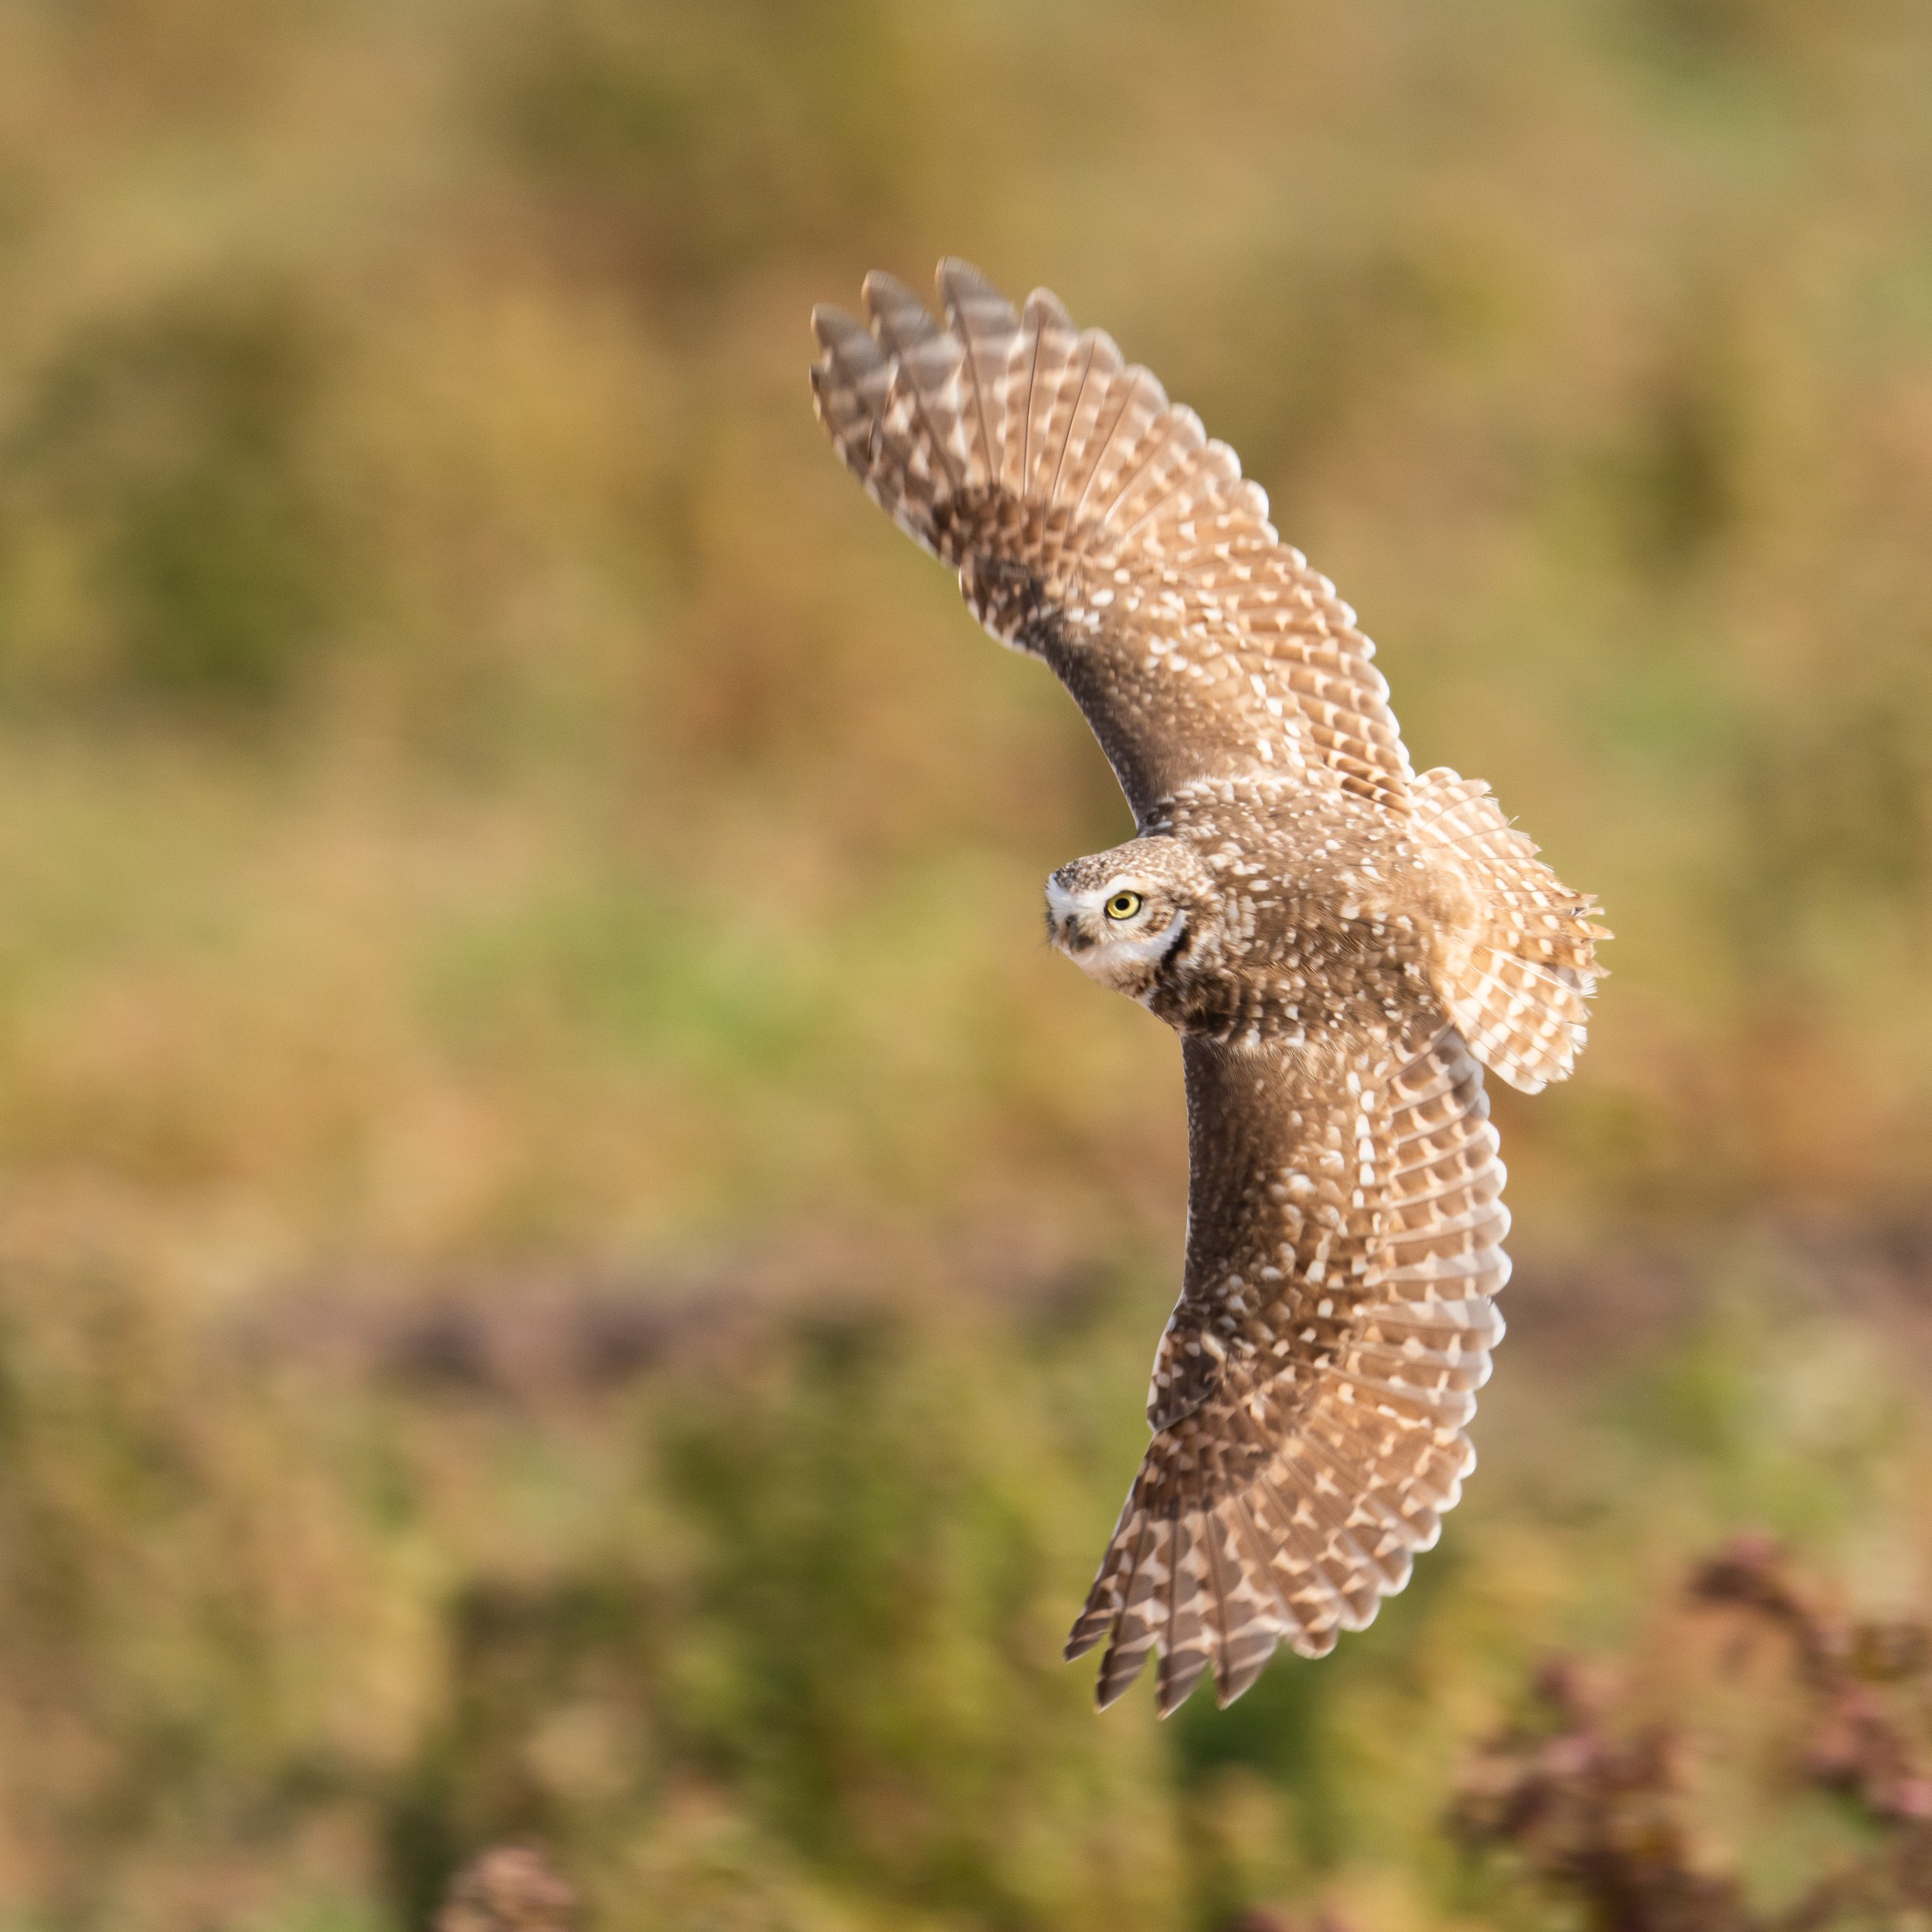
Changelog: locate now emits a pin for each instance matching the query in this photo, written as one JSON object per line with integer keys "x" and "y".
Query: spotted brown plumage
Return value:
{"x": 1342, "y": 944}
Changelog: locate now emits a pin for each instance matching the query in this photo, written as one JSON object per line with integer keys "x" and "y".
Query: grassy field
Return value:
{"x": 570, "y": 1265}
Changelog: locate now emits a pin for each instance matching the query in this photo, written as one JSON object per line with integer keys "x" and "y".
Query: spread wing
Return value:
{"x": 1312, "y": 1387}
{"x": 1093, "y": 524}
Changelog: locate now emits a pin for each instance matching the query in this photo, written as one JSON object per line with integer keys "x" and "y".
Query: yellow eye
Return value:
{"x": 1124, "y": 905}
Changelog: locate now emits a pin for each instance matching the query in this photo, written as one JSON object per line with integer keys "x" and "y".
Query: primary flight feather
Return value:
{"x": 1342, "y": 944}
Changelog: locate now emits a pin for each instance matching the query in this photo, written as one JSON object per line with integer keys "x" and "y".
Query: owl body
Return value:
{"x": 1322, "y": 914}
{"x": 1342, "y": 944}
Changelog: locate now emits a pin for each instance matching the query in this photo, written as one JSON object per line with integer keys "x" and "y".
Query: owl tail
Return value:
{"x": 1515, "y": 977}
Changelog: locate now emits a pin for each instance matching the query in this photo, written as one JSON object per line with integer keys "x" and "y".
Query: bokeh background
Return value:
{"x": 570, "y": 1265}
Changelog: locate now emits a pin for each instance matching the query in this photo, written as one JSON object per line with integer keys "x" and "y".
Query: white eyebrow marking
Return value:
{"x": 1060, "y": 901}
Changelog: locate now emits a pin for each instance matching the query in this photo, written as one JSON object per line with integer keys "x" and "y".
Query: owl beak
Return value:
{"x": 1063, "y": 923}
{"x": 1066, "y": 931}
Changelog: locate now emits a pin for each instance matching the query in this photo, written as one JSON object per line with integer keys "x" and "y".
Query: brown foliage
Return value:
{"x": 1602, "y": 1811}
{"x": 510, "y": 1888}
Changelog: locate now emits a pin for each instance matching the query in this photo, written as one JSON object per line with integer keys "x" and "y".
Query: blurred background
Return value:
{"x": 571, "y": 1267}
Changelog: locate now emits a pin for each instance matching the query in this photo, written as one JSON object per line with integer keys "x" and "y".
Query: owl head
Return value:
{"x": 1127, "y": 916}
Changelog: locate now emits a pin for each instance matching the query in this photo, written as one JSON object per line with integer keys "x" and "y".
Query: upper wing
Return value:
{"x": 1311, "y": 1389}
{"x": 1093, "y": 524}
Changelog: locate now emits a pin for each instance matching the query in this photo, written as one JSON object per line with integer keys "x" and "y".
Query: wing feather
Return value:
{"x": 1092, "y": 417}
{"x": 984, "y": 321}
{"x": 1060, "y": 357}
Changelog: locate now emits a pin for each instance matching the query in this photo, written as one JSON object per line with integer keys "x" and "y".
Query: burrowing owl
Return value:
{"x": 1341, "y": 944}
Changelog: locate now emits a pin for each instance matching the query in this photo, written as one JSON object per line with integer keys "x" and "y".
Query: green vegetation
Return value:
{"x": 569, "y": 1264}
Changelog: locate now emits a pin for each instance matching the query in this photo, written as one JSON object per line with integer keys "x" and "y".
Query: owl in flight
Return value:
{"x": 1342, "y": 944}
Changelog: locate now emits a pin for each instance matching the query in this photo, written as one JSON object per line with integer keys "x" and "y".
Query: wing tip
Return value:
{"x": 1083, "y": 1637}
{"x": 1041, "y": 304}
{"x": 956, "y": 270}
{"x": 831, "y": 324}
{"x": 887, "y": 301}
